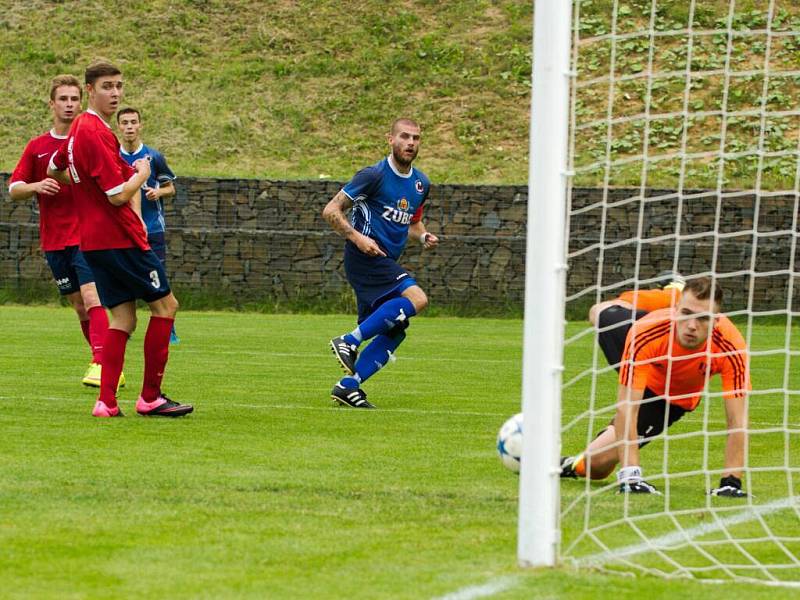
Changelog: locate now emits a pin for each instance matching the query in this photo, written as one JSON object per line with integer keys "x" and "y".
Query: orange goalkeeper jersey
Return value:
{"x": 650, "y": 300}
{"x": 654, "y": 359}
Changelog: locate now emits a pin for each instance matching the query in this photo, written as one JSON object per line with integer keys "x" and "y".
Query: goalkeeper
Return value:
{"x": 665, "y": 361}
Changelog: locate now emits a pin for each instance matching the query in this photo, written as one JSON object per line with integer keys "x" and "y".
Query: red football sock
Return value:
{"x": 85, "y": 329}
{"x": 97, "y": 332}
{"x": 156, "y": 352}
{"x": 113, "y": 357}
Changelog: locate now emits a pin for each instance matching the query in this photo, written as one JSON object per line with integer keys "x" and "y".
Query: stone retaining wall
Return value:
{"x": 266, "y": 239}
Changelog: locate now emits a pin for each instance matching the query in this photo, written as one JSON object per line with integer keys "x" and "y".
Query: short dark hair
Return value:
{"x": 62, "y": 80}
{"x": 403, "y": 121}
{"x": 99, "y": 68}
{"x": 128, "y": 110}
{"x": 701, "y": 288}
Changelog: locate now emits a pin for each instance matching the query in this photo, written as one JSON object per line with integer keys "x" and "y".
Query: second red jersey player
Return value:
{"x": 114, "y": 242}
{"x": 58, "y": 220}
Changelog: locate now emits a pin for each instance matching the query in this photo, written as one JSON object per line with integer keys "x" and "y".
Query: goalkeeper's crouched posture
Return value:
{"x": 664, "y": 362}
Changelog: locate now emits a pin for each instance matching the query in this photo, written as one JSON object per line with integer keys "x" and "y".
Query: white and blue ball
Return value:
{"x": 509, "y": 443}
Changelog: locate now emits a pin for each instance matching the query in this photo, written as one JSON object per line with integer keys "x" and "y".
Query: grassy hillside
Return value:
{"x": 289, "y": 89}
{"x": 306, "y": 89}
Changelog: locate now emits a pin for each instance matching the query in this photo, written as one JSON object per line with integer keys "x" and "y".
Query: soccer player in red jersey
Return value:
{"x": 114, "y": 242}
{"x": 58, "y": 221}
{"x": 668, "y": 356}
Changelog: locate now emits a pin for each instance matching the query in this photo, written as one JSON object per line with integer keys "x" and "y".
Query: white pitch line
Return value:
{"x": 490, "y": 588}
{"x": 677, "y": 538}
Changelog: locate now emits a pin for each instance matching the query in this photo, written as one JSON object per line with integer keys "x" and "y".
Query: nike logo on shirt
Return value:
{"x": 41, "y": 155}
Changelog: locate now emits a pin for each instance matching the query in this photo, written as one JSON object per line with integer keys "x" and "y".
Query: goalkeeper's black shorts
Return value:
{"x": 614, "y": 323}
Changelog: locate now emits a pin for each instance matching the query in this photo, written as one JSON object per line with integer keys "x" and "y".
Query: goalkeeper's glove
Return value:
{"x": 729, "y": 487}
{"x": 631, "y": 482}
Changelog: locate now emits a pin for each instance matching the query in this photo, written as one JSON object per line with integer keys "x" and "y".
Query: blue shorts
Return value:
{"x": 375, "y": 279}
{"x": 158, "y": 244}
{"x": 69, "y": 269}
{"x": 127, "y": 274}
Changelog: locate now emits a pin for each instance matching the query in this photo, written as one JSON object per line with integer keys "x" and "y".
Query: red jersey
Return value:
{"x": 654, "y": 359}
{"x": 58, "y": 220}
{"x": 91, "y": 152}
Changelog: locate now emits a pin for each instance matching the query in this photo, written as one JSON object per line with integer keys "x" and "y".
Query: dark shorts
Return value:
{"x": 69, "y": 269}
{"x": 653, "y": 416}
{"x": 126, "y": 274}
{"x": 158, "y": 244}
{"x": 612, "y": 341}
{"x": 375, "y": 279}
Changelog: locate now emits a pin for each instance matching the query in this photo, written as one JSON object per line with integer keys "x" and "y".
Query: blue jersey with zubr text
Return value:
{"x": 160, "y": 173}
{"x": 385, "y": 202}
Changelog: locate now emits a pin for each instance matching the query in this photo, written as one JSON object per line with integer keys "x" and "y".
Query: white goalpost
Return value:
{"x": 544, "y": 285}
{"x": 665, "y": 136}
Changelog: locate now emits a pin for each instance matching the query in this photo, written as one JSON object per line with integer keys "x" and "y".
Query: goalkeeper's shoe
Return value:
{"x": 345, "y": 353}
{"x": 568, "y": 465}
{"x": 637, "y": 487}
{"x": 103, "y": 410}
{"x": 162, "y": 407}
{"x": 631, "y": 482}
{"x": 350, "y": 397}
{"x": 92, "y": 376}
{"x": 729, "y": 487}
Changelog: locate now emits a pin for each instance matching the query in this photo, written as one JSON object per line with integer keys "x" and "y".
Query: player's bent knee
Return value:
{"x": 417, "y": 297}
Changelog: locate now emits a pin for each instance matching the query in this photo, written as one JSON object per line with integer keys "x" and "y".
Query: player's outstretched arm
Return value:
{"x": 133, "y": 185}
{"x": 731, "y": 482}
{"x": 334, "y": 214}
{"x": 426, "y": 238}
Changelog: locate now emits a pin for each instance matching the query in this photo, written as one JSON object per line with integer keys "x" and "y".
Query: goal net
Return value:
{"x": 682, "y": 154}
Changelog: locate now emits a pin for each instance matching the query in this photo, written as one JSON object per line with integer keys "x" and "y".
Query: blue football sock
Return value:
{"x": 389, "y": 314}
{"x": 353, "y": 337}
{"x": 376, "y": 355}
{"x": 350, "y": 382}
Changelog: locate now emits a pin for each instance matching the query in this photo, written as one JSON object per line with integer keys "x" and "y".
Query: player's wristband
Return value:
{"x": 629, "y": 474}
{"x": 423, "y": 238}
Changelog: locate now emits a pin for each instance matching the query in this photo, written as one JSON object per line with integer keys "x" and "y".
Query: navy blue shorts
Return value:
{"x": 69, "y": 269}
{"x": 126, "y": 274}
{"x": 375, "y": 279}
{"x": 158, "y": 244}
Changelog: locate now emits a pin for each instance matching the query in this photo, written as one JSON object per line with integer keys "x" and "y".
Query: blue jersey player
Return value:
{"x": 387, "y": 200}
{"x": 159, "y": 185}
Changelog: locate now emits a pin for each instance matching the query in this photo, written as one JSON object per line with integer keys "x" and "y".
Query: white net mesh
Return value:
{"x": 687, "y": 115}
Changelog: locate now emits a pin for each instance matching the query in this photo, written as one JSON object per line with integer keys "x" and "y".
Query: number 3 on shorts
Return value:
{"x": 154, "y": 280}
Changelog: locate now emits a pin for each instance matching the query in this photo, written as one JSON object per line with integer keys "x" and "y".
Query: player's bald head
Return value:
{"x": 398, "y": 124}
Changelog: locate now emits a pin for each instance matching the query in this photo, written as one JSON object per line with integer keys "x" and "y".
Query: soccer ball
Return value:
{"x": 509, "y": 443}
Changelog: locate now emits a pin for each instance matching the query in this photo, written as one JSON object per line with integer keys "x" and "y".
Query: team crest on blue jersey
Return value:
{"x": 418, "y": 186}
{"x": 402, "y": 204}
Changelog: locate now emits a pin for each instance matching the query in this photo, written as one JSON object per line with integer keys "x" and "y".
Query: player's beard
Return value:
{"x": 401, "y": 160}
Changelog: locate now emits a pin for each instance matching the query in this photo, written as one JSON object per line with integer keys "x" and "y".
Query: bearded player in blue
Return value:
{"x": 159, "y": 185}
{"x": 387, "y": 200}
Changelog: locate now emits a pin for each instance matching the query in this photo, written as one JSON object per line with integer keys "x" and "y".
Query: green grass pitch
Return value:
{"x": 268, "y": 491}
